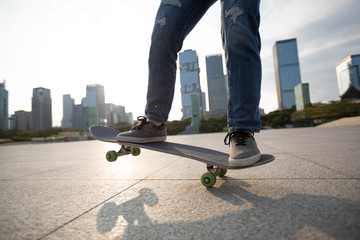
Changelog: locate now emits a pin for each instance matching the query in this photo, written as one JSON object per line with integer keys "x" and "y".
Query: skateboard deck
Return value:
{"x": 217, "y": 162}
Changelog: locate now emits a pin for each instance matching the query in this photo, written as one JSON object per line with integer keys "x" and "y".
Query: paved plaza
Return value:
{"x": 69, "y": 190}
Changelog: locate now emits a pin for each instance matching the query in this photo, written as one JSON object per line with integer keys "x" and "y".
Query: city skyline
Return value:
{"x": 92, "y": 111}
{"x": 39, "y": 47}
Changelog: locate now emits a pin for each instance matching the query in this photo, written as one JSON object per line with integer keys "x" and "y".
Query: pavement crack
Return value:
{"x": 106, "y": 200}
{"x": 319, "y": 164}
{"x": 94, "y": 207}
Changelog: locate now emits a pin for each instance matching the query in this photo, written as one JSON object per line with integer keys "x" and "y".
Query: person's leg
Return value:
{"x": 241, "y": 42}
{"x": 174, "y": 21}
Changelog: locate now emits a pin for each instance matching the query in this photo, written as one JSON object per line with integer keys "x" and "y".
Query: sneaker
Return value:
{"x": 143, "y": 132}
{"x": 244, "y": 151}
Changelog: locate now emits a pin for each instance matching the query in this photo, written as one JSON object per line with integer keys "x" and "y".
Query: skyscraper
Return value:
{"x": 77, "y": 116}
{"x": 4, "y": 105}
{"x": 21, "y": 120}
{"x": 287, "y": 71}
{"x": 216, "y": 85}
{"x": 93, "y": 111}
{"x": 130, "y": 117}
{"x": 302, "y": 96}
{"x": 115, "y": 114}
{"x": 95, "y": 97}
{"x": 41, "y": 116}
{"x": 68, "y": 110}
{"x": 190, "y": 82}
{"x": 348, "y": 76}
{"x": 90, "y": 116}
{"x": 196, "y": 117}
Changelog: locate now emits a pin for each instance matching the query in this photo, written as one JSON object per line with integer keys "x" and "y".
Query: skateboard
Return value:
{"x": 217, "y": 162}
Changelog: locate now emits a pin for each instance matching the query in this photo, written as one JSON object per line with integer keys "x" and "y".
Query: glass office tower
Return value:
{"x": 68, "y": 110}
{"x": 216, "y": 85}
{"x": 348, "y": 74}
{"x": 190, "y": 82}
{"x": 4, "y": 105}
{"x": 287, "y": 71}
{"x": 302, "y": 96}
{"x": 41, "y": 115}
{"x": 97, "y": 91}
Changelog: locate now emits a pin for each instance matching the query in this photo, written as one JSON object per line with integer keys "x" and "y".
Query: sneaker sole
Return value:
{"x": 243, "y": 162}
{"x": 141, "y": 140}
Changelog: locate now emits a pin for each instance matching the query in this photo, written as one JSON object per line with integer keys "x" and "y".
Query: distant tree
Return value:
{"x": 278, "y": 119}
{"x": 328, "y": 112}
{"x": 176, "y": 127}
{"x": 26, "y": 135}
{"x": 122, "y": 126}
{"x": 213, "y": 124}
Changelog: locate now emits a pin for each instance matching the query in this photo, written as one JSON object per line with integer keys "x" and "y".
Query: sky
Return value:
{"x": 65, "y": 45}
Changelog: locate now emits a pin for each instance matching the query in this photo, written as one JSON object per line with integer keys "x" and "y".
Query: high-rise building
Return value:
{"x": 216, "y": 85}
{"x": 196, "y": 117}
{"x": 190, "y": 82}
{"x": 115, "y": 114}
{"x": 68, "y": 110}
{"x": 109, "y": 114}
{"x": 41, "y": 115}
{"x": 302, "y": 96}
{"x": 4, "y": 107}
{"x": 93, "y": 106}
{"x": 21, "y": 120}
{"x": 287, "y": 71}
{"x": 262, "y": 112}
{"x": 90, "y": 116}
{"x": 348, "y": 76}
{"x": 130, "y": 117}
{"x": 96, "y": 96}
{"x": 77, "y": 116}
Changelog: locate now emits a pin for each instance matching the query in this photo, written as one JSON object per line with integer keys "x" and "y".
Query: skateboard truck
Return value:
{"x": 111, "y": 156}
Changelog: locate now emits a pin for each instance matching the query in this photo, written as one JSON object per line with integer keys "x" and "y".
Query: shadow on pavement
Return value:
{"x": 132, "y": 211}
{"x": 282, "y": 218}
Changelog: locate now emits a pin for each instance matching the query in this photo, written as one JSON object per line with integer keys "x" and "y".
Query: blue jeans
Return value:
{"x": 241, "y": 41}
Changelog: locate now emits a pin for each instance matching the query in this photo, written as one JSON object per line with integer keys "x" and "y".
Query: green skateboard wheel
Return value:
{"x": 136, "y": 151}
{"x": 111, "y": 156}
{"x": 208, "y": 179}
{"x": 223, "y": 172}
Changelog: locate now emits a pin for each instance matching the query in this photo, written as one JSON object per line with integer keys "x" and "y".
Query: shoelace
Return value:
{"x": 141, "y": 121}
{"x": 238, "y": 137}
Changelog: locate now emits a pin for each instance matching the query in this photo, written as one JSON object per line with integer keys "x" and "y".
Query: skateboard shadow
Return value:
{"x": 268, "y": 218}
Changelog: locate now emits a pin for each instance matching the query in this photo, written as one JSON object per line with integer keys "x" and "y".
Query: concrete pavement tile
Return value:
{"x": 77, "y": 160}
{"x": 126, "y": 167}
{"x": 252, "y": 209}
{"x": 284, "y": 166}
{"x": 336, "y": 148}
{"x": 30, "y": 209}
{"x": 30, "y": 159}
{"x": 342, "y": 158}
